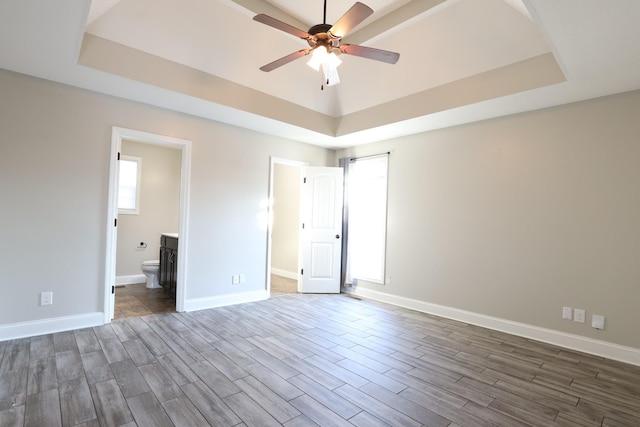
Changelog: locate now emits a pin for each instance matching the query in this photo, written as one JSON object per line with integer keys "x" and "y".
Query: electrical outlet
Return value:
{"x": 235, "y": 279}
{"x": 241, "y": 278}
{"x": 46, "y": 298}
{"x": 387, "y": 280}
{"x": 566, "y": 313}
{"x": 597, "y": 321}
{"x": 578, "y": 315}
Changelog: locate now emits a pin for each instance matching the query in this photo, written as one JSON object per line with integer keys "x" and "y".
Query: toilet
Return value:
{"x": 150, "y": 269}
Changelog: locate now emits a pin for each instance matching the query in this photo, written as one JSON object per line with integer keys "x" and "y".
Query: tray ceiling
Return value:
{"x": 460, "y": 60}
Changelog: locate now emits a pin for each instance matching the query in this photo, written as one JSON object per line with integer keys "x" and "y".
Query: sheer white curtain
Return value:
{"x": 365, "y": 226}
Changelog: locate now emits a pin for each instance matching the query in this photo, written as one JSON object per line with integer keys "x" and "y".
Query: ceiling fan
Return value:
{"x": 324, "y": 38}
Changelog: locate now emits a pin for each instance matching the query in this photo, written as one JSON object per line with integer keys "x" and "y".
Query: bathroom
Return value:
{"x": 153, "y": 212}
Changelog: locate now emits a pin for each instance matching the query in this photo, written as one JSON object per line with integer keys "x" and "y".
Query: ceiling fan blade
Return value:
{"x": 282, "y": 26}
{"x": 358, "y": 13}
{"x": 370, "y": 53}
{"x": 285, "y": 60}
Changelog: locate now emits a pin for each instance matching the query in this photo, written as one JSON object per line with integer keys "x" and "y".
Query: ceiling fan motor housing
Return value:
{"x": 319, "y": 28}
{"x": 320, "y": 36}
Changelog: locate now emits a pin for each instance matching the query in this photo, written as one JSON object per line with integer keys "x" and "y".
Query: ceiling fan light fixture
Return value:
{"x": 330, "y": 73}
{"x": 320, "y": 57}
{"x": 332, "y": 61}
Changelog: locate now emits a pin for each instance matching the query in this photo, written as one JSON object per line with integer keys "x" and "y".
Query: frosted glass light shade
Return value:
{"x": 318, "y": 57}
{"x": 329, "y": 62}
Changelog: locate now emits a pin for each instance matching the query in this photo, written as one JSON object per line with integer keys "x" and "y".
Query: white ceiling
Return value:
{"x": 460, "y": 60}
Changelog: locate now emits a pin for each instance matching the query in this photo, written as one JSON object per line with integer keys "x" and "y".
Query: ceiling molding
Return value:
{"x": 124, "y": 61}
{"x": 115, "y": 58}
{"x": 525, "y": 75}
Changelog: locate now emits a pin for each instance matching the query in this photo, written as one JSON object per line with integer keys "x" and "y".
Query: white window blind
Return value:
{"x": 367, "y": 219}
{"x": 129, "y": 185}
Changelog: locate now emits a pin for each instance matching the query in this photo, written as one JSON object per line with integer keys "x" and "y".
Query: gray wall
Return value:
{"x": 159, "y": 206}
{"x": 286, "y": 218}
{"x": 54, "y": 171}
{"x": 517, "y": 217}
{"x": 512, "y": 218}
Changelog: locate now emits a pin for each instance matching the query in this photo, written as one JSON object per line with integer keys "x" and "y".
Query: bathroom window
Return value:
{"x": 129, "y": 185}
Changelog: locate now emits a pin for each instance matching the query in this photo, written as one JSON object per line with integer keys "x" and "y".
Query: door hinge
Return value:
{"x": 302, "y": 271}
{"x": 118, "y": 155}
{"x": 303, "y": 225}
{"x": 304, "y": 180}
{"x": 115, "y": 222}
{"x": 113, "y": 289}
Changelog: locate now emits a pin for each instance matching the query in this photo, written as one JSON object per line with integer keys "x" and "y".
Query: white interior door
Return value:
{"x": 321, "y": 233}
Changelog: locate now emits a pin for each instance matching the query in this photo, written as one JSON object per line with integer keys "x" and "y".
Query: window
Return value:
{"x": 367, "y": 219}
{"x": 129, "y": 185}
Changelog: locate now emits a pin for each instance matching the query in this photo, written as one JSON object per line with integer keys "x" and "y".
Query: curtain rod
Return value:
{"x": 351, "y": 159}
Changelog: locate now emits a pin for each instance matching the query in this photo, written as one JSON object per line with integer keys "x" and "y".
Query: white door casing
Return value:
{"x": 321, "y": 229}
{"x": 117, "y": 135}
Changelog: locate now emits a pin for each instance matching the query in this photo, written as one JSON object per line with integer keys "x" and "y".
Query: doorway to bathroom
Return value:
{"x": 152, "y": 195}
{"x": 134, "y": 235}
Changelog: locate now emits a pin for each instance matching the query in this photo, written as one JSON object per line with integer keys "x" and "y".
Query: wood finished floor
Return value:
{"x": 299, "y": 360}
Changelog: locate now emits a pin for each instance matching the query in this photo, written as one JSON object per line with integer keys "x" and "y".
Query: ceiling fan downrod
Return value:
{"x": 324, "y": 17}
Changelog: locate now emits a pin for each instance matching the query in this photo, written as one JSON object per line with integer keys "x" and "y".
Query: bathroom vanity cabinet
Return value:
{"x": 168, "y": 273}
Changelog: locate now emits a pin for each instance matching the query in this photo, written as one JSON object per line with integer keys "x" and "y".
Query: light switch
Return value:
{"x": 578, "y": 315}
{"x": 597, "y": 321}
{"x": 567, "y": 313}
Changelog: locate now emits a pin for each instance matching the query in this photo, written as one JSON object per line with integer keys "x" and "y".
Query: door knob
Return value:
{"x": 337, "y": 236}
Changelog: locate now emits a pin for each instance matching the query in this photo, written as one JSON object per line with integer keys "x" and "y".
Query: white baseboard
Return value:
{"x": 561, "y": 339}
{"x": 223, "y": 300}
{"x": 131, "y": 279}
{"x": 48, "y": 326}
{"x": 284, "y": 273}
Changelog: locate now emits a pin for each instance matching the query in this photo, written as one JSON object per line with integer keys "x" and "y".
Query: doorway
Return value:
{"x": 313, "y": 245}
{"x": 119, "y": 135}
{"x": 150, "y": 195}
{"x": 283, "y": 252}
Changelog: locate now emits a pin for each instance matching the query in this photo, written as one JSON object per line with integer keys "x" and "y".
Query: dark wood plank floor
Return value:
{"x": 300, "y": 360}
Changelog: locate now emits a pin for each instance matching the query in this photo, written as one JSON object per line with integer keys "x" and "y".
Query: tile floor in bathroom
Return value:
{"x": 137, "y": 300}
